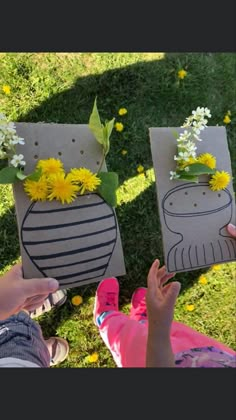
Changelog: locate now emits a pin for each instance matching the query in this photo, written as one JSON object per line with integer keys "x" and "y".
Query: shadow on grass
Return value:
{"x": 9, "y": 245}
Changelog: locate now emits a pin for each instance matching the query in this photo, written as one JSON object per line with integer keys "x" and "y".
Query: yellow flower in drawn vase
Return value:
{"x": 6, "y": 89}
{"x": 50, "y": 166}
{"x": 182, "y": 74}
{"x": 219, "y": 180}
{"x": 85, "y": 178}
{"x": 62, "y": 189}
{"x": 119, "y": 126}
{"x": 37, "y": 190}
{"x": 207, "y": 159}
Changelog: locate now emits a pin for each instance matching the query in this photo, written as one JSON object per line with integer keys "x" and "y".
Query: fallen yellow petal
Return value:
{"x": 189, "y": 308}
{"x": 202, "y": 280}
{"x": 77, "y": 300}
{"x": 93, "y": 358}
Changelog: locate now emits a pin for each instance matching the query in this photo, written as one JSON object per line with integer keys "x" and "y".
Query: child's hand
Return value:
{"x": 160, "y": 299}
{"x": 232, "y": 230}
{"x": 17, "y": 293}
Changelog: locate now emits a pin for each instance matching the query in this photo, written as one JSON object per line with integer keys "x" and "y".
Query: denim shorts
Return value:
{"x": 21, "y": 338}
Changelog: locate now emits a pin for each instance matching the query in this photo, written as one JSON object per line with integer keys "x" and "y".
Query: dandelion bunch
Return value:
{"x": 189, "y": 166}
{"x": 55, "y": 184}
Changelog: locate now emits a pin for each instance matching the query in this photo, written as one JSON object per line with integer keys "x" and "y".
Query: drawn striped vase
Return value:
{"x": 72, "y": 242}
{"x": 191, "y": 213}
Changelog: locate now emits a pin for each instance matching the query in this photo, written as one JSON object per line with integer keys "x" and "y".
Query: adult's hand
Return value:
{"x": 17, "y": 293}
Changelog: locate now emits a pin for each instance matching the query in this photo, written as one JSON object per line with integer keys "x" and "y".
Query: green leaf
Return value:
{"x": 107, "y": 188}
{"x": 20, "y": 175}
{"x": 8, "y": 175}
{"x": 95, "y": 124}
{"x": 186, "y": 177}
{"x": 200, "y": 169}
{"x": 34, "y": 176}
{"x": 3, "y": 163}
{"x": 109, "y": 126}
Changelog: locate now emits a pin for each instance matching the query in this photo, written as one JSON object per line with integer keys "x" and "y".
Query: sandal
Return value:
{"x": 53, "y": 300}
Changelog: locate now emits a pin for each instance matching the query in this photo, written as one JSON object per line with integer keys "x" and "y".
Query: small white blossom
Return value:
{"x": 174, "y": 175}
{"x": 17, "y": 160}
{"x": 17, "y": 140}
{"x": 186, "y": 169}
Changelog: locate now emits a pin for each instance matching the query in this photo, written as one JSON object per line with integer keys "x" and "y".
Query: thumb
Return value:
{"x": 42, "y": 286}
{"x": 172, "y": 293}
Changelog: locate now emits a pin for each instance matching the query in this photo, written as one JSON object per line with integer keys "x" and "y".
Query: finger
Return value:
{"x": 151, "y": 280}
{"x": 34, "y": 287}
{"x": 172, "y": 293}
{"x": 231, "y": 229}
{"x": 160, "y": 274}
{"x": 34, "y": 300}
{"x": 166, "y": 277}
{"x": 32, "y": 307}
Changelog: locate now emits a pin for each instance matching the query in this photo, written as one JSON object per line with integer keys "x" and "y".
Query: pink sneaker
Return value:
{"x": 107, "y": 297}
{"x": 138, "y": 309}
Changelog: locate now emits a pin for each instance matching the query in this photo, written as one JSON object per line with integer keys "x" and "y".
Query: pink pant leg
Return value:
{"x": 185, "y": 338}
{"x": 127, "y": 338}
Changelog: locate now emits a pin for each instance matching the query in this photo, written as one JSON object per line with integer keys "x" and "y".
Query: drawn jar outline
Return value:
{"x": 193, "y": 253}
{"x": 64, "y": 257}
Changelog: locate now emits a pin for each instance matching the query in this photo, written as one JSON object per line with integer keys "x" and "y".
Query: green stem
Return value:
{"x": 102, "y": 161}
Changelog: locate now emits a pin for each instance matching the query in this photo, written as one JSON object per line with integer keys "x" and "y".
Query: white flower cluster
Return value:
{"x": 197, "y": 121}
{"x": 8, "y": 141}
{"x": 193, "y": 125}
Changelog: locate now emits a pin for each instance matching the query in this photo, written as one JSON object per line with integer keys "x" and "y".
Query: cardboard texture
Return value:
{"x": 77, "y": 243}
{"x": 193, "y": 218}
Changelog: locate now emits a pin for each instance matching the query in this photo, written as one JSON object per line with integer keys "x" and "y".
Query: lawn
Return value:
{"x": 51, "y": 87}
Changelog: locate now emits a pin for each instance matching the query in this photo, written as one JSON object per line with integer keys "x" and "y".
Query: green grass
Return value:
{"x": 61, "y": 88}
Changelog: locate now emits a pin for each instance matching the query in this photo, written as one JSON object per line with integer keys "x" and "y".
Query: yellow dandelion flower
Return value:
{"x": 62, "y": 189}
{"x": 227, "y": 119}
{"x": 37, "y": 190}
{"x": 124, "y": 152}
{"x": 93, "y": 358}
{"x": 6, "y": 89}
{"x": 202, "y": 280}
{"x": 185, "y": 163}
{"x": 219, "y": 180}
{"x": 208, "y": 160}
{"x": 77, "y": 300}
{"x": 140, "y": 169}
{"x": 190, "y": 308}
{"x": 119, "y": 126}
{"x": 87, "y": 180}
{"x": 122, "y": 111}
{"x": 50, "y": 166}
{"x": 182, "y": 74}
{"x": 216, "y": 267}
